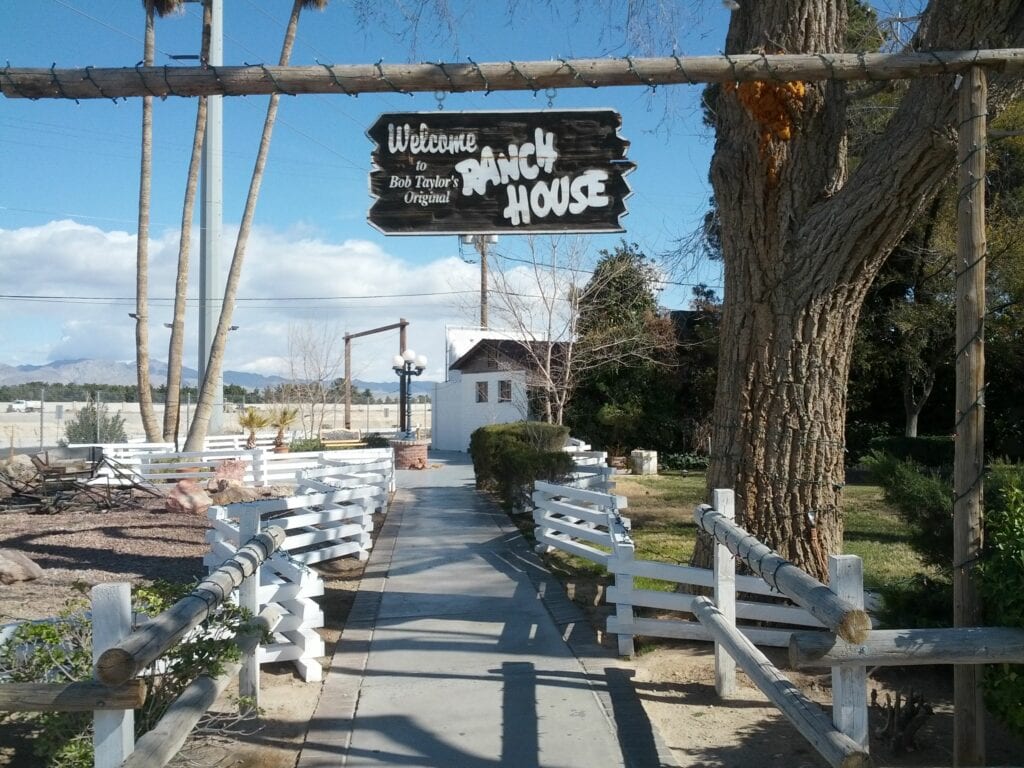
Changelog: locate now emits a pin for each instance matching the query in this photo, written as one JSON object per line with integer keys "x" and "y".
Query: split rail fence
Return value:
{"x": 590, "y": 524}
{"x": 122, "y": 653}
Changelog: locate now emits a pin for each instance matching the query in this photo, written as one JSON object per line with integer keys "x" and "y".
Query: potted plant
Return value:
{"x": 251, "y": 419}
{"x": 283, "y": 418}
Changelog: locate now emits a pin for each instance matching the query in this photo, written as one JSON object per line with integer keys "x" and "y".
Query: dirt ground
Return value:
{"x": 674, "y": 681}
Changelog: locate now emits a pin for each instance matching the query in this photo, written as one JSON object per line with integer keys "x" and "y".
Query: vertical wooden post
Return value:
{"x": 259, "y": 471}
{"x": 623, "y": 553}
{"x": 849, "y": 684}
{"x": 968, "y": 724}
{"x": 248, "y": 599}
{"x": 348, "y": 381}
{"x": 724, "y": 570}
{"x": 114, "y": 730}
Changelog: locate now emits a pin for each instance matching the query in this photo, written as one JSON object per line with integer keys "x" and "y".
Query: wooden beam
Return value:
{"x": 849, "y": 622}
{"x": 146, "y": 644}
{"x": 908, "y": 647}
{"x": 969, "y": 458}
{"x": 455, "y": 77}
{"x": 161, "y": 744}
{"x": 84, "y": 696}
{"x": 806, "y": 716}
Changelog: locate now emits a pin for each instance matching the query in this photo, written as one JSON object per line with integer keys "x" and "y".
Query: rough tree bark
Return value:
{"x": 801, "y": 243}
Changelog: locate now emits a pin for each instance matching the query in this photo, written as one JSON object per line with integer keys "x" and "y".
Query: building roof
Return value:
{"x": 512, "y": 352}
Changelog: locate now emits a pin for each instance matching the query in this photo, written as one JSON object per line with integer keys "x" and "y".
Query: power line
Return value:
{"x": 108, "y": 26}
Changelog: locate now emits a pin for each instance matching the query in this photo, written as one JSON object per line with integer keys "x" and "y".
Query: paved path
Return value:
{"x": 461, "y": 651}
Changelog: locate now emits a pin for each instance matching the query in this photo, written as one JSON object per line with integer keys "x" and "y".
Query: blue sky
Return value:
{"x": 69, "y": 176}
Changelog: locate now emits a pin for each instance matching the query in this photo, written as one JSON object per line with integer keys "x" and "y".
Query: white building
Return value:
{"x": 487, "y": 384}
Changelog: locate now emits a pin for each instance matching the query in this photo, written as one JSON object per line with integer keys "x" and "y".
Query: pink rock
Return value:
{"x": 188, "y": 498}
{"x": 232, "y": 470}
{"x": 15, "y": 566}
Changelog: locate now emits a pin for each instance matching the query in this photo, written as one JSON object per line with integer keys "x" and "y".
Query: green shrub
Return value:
{"x": 507, "y": 458}
{"x": 685, "y": 461}
{"x": 306, "y": 444}
{"x": 1002, "y": 590}
{"x": 933, "y": 451}
{"x": 923, "y": 499}
{"x": 376, "y": 440}
{"x": 93, "y": 424}
{"x": 61, "y": 651}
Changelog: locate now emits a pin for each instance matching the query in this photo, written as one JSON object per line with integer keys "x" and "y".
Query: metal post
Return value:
{"x": 211, "y": 289}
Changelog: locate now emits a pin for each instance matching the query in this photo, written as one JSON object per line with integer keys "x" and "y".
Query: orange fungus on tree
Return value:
{"x": 776, "y": 106}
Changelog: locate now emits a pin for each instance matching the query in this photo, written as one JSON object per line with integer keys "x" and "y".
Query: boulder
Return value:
{"x": 236, "y": 494}
{"x": 15, "y": 566}
{"x": 19, "y": 469}
{"x": 188, "y": 498}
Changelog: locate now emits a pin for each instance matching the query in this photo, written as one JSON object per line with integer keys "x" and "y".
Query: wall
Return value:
{"x": 456, "y": 414}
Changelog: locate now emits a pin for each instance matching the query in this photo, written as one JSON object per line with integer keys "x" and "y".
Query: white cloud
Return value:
{"x": 71, "y": 260}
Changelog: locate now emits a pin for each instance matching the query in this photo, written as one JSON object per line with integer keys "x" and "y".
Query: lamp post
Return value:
{"x": 407, "y": 365}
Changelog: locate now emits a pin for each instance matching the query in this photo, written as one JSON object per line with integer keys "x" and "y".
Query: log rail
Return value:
{"x": 459, "y": 77}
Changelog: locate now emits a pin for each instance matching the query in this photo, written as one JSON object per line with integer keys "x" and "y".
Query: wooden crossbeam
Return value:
{"x": 454, "y": 77}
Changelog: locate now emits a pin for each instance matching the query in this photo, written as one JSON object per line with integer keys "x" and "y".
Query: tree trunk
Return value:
{"x": 912, "y": 403}
{"x": 215, "y": 365}
{"x": 801, "y": 244}
{"x": 149, "y": 422}
{"x": 176, "y": 346}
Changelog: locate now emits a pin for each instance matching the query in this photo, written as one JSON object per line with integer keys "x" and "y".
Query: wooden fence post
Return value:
{"x": 969, "y": 459}
{"x": 849, "y": 684}
{"x": 724, "y": 572}
{"x": 114, "y": 730}
{"x": 248, "y": 599}
{"x": 623, "y": 553}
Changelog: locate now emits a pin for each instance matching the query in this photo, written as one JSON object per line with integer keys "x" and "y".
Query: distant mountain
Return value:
{"x": 114, "y": 372}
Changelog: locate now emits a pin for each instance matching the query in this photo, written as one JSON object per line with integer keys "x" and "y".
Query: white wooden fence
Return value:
{"x": 159, "y": 462}
{"x": 590, "y": 524}
{"x": 330, "y": 516}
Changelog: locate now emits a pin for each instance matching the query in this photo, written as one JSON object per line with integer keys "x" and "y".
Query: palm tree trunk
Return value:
{"x": 215, "y": 365}
{"x": 176, "y": 346}
{"x": 149, "y": 421}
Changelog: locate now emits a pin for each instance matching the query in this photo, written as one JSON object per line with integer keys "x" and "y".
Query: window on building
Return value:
{"x": 505, "y": 391}
{"x": 481, "y": 391}
{"x": 492, "y": 359}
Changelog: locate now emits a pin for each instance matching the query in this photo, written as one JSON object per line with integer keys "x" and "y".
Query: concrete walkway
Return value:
{"x": 461, "y": 651}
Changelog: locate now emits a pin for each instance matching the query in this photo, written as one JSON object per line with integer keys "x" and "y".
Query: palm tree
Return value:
{"x": 149, "y": 422}
{"x": 251, "y": 419}
{"x": 283, "y": 418}
{"x": 176, "y": 345}
{"x": 215, "y": 365}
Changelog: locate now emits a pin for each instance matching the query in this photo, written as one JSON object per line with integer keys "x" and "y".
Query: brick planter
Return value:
{"x": 410, "y": 454}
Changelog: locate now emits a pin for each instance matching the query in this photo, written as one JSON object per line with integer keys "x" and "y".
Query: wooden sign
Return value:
{"x": 498, "y": 172}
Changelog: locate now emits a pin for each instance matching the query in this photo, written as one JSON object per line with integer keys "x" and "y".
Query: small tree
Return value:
{"x": 251, "y": 419}
{"x": 283, "y": 418}
{"x": 94, "y": 424}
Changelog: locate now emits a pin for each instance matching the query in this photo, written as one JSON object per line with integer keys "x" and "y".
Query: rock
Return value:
{"x": 232, "y": 470}
{"x": 277, "y": 491}
{"x": 19, "y": 469}
{"x": 236, "y": 494}
{"x": 15, "y": 566}
{"x": 188, "y": 498}
{"x": 216, "y": 485}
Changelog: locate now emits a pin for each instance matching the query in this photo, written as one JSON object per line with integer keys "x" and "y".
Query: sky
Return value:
{"x": 69, "y": 176}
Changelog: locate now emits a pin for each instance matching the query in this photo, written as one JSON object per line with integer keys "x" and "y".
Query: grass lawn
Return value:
{"x": 661, "y": 511}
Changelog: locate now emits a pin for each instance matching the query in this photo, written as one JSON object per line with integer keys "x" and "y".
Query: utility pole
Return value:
{"x": 481, "y": 243}
{"x": 211, "y": 217}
